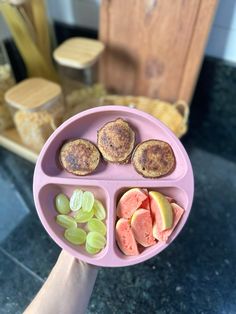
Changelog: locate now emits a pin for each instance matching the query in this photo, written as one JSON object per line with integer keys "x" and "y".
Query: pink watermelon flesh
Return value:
{"x": 141, "y": 225}
{"x": 146, "y": 204}
{"x": 129, "y": 202}
{"x": 164, "y": 235}
{"x": 125, "y": 237}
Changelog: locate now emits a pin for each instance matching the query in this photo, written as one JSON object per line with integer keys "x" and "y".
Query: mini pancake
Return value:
{"x": 79, "y": 157}
{"x": 153, "y": 159}
{"x": 116, "y": 141}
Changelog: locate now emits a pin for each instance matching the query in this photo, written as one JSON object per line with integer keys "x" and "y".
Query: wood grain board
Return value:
{"x": 10, "y": 140}
{"x": 78, "y": 53}
{"x": 196, "y": 48}
{"x": 32, "y": 93}
{"x": 154, "y": 48}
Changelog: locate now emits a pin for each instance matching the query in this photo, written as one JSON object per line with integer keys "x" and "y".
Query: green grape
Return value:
{"x": 76, "y": 200}
{"x": 95, "y": 224}
{"x": 62, "y": 204}
{"x": 88, "y": 201}
{"x": 99, "y": 210}
{"x": 82, "y": 216}
{"x": 96, "y": 240}
{"x": 75, "y": 235}
{"x": 90, "y": 249}
{"x": 66, "y": 221}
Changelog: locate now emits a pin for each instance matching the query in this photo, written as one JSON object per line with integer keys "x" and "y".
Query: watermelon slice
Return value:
{"x": 145, "y": 204}
{"x": 125, "y": 237}
{"x": 164, "y": 235}
{"x": 141, "y": 225}
{"x": 129, "y": 202}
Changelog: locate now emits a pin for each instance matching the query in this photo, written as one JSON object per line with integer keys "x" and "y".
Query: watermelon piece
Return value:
{"x": 164, "y": 235}
{"x": 129, "y": 202}
{"x": 162, "y": 213}
{"x": 145, "y": 204}
{"x": 141, "y": 225}
{"x": 125, "y": 237}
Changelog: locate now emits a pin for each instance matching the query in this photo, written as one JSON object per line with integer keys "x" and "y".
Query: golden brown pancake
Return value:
{"x": 153, "y": 159}
{"x": 79, "y": 157}
{"x": 116, "y": 141}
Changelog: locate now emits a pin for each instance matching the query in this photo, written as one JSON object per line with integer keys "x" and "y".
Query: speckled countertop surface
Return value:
{"x": 196, "y": 274}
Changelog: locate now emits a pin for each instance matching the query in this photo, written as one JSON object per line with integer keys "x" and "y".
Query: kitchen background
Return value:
{"x": 84, "y": 13}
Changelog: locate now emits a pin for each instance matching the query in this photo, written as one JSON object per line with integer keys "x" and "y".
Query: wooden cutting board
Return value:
{"x": 10, "y": 140}
{"x": 154, "y": 48}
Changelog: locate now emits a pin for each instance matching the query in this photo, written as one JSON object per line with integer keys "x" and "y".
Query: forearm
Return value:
{"x": 67, "y": 289}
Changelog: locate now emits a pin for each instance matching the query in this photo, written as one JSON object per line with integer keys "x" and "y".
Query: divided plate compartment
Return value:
{"x": 109, "y": 181}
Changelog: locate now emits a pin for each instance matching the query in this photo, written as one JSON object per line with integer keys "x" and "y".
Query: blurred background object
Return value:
{"x": 175, "y": 116}
{"x": 134, "y": 62}
{"x": 37, "y": 108}
{"x": 27, "y": 21}
{"x": 6, "y": 81}
{"x": 77, "y": 63}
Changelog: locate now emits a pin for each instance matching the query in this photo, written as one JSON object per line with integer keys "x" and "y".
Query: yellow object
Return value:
{"x": 83, "y": 98}
{"x": 6, "y": 81}
{"x": 35, "y": 63}
{"x": 175, "y": 116}
{"x": 164, "y": 208}
{"x": 41, "y": 27}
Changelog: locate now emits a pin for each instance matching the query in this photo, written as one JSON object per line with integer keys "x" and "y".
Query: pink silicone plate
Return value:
{"x": 109, "y": 181}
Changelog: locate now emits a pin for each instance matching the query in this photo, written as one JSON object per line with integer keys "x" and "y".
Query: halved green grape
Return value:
{"x": 88, "y": 201}
{"x": 75, "y": 235}
{"x": 66, "y": 221}
{"x": 76, "y": 200}
{"x": 82, "y": 216}
{"x": 62, "y": 204}
{"x": 96, "y": 240}
{"x": 95, "y": 224}
{"x": 99, "y": 210}
{"x": 90, "y": 249}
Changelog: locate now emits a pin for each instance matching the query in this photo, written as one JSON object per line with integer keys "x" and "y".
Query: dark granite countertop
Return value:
{"x": 196, "y": 274}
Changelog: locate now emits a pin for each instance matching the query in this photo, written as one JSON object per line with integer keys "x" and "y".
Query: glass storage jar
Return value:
{"x": 77, "y": 60}
{"x": 6, "y": 81}
{"x": 37, "y": 108}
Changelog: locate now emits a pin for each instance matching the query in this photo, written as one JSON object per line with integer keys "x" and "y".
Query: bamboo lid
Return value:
{"x": 32, "y": 93}
{"x": 78, "y": 52}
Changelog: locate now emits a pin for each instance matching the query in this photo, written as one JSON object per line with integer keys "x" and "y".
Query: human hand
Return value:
{"x": 67, "y": 289}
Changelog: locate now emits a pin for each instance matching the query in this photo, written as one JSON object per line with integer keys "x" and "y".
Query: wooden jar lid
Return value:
{"x": 78, "y": 52}
{"x": 32, "y": 93}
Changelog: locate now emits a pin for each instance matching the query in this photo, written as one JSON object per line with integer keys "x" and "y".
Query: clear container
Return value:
{"x": 6, "y": 82}
{"x": 77, "y": 60}
{"x": 37, "y": 108}
{"x": 75, "y": 79}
